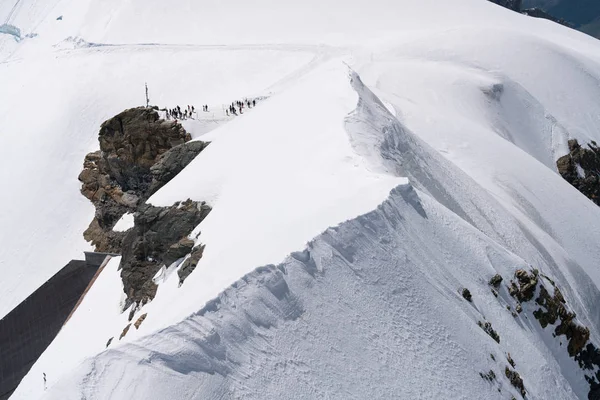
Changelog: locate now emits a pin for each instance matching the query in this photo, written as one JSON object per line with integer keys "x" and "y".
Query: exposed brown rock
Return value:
{"x": 125, "y": 330}
{"x": 580, "y": 168}
{"x": 489, "y": 376}
{"x": 140, "y": 320}
{"x": 138, "y": 154}
{"x": 131, "y": 143}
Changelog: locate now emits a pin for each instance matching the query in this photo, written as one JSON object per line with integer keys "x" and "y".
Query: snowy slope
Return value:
{"x": 434, "y": 175}
{"x": 51, "y": 122}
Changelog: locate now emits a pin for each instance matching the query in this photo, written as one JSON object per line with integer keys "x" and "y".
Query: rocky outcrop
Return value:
{"x": 466, "y": 294}
{"x": 515, "y": 380}
{"x": 581, "y": 168}
{"x": 527, "y": 283}
{"x": 140, "y": 320}
{"x": 190, "y": 263}
{"x": 172, "y": 163}
{"x": 132, "y": 142}
{"x": 139, "y": 153}
{"x": 487, "y": 327}
{"x": 496, "y": 280}
{"x": 125, "y": 330}
{"x": 553, "y": 311}
{"x": 158, "y": 238}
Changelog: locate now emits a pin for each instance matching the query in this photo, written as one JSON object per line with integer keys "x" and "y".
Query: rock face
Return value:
{"x": 139, "y": 153}
{"x": 173, "y": 162}
{"x": 190, "y": 264}
{"x": 140, "y": 320}
{"x": 553, "y": 311}
{"x": 132, "y": 142}
{"x": 527, "y": 284}
{"x": 487, "y": 327}
{"x": 158, "y": 238}
{"x": 580, "y": 168}
{"x": 515, "y": 380}
{"x": 496, "y": 280}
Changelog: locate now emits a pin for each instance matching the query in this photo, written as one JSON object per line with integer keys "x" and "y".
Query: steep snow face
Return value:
{"x": 428, "y": 170}
{"x": 370, "y": 308}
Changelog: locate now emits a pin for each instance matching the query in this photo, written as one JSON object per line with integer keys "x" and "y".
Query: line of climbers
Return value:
{"x": 235, "y": 108}
{"x": 176, "y": 113}
{"x": 239, "y": 105}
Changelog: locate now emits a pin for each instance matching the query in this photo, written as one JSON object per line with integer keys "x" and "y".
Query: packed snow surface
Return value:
{"x": 400, "y": 152}
{"x": 125, "y": 223}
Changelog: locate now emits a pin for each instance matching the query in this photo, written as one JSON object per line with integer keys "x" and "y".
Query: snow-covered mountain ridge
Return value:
{"x": 404, "y": 151}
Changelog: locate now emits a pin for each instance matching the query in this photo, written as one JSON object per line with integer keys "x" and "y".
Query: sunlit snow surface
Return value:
{"x": 401, "y": 150}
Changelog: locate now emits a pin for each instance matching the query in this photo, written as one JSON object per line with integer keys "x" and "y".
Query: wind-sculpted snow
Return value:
{"x": 379, "y": 295}
{"x": 369, "y": 308}
{"x": 425, "y": 173}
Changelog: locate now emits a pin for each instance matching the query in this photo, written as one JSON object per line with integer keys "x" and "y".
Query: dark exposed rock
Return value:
{"x": 524, "y": 288}
{"x": 581, "y": 168}
{"x": 487, "y": 327}
{"x": 139, "y": 153}
{"x": 131, "y": 143}
{"x": 515, "y": 380}
{"x": 158, "y": 237}
{"x": 467, "y": 295}
{"x": 510, "y": 360}
{"x": 178, "y": 250}
{"x": 489, "y": 376}
{"x": 190, "y": 263}
{"x": 496, "y": 280}
{"x": 553, "y": 309}
{"x": 588, "y": 357}
{"x": 173, "y": 162}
